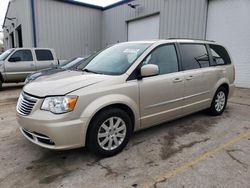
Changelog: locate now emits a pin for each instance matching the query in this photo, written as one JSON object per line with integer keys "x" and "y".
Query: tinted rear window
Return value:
{"x": 44, "y": 55}
{"x": 194, "y": 56}
{"x": 219, "y": 55}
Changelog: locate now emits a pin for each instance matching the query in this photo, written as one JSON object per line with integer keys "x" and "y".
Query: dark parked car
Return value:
{"x": 68, "y": 65}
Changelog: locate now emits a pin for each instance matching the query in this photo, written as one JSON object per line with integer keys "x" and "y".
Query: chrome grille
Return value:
{"x": 25, "y": 104}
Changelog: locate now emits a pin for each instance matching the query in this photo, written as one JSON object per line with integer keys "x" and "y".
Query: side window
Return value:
{"x": 165, "y": 57}
{"x": 219, "y": 55}
{"x": 44, "y": 55}
{"x": 194, "y": 56}
{"x": 23, "y": 55}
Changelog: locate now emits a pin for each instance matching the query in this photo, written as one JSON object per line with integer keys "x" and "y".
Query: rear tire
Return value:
{"x": 109, "y": 132}
{"x": 219, "y": 102}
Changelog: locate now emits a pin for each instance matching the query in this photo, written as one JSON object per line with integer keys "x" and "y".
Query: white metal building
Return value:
{"x": 229, "y": 23}
{"x": 76, "y": 29}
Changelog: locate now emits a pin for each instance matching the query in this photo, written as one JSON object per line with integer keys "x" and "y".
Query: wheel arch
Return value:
{"x": 111, "y": 101}
{"x": 124, "y": 107}
{"x": 222, "y": 83}
{"x": 212, "y": 110}
{"x": 226, "y": 86}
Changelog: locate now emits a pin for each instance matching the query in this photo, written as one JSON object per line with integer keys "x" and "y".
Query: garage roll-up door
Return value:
{"x": 228, "y": 23}
{"x": 144, "y": 29}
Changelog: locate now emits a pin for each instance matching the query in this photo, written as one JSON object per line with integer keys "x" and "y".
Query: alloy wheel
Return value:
{"x": 220, "y": 101}
{"x": 111, "y": 133}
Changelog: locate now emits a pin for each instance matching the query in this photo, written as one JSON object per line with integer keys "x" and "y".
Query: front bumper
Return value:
{"x": 57, "y": 135}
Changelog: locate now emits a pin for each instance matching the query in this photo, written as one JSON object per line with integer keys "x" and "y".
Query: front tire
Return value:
{"x": 219, "y": 102}
{"x": 109, "y": 132}
{"x": 1, "y": 85}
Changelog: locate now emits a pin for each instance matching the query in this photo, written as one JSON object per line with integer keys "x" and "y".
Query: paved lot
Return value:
{"x": 195, "y": 151}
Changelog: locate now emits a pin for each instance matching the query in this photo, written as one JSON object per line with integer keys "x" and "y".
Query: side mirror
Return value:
{"x": 149, "y": 70}
{"x": 14, "y": 59}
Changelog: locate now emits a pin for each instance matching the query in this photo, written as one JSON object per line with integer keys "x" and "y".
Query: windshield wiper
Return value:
{"x": 90, "y": 71}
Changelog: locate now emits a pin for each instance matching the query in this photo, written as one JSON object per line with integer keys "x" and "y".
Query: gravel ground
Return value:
{"x": 195, "y": 151}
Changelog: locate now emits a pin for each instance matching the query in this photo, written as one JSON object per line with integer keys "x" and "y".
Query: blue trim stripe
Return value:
{"x": 34, "y": 23}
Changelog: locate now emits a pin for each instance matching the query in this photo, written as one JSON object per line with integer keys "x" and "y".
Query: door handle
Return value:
{"x": 190, "y": 77}
{"x": 32, "y": 64}
{"x": 176, "y": 80}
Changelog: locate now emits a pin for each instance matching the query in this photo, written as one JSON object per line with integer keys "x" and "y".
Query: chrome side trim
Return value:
{"x": 195, "y": 95}
{"x": 175, "y": 100}
{"x": 163, "y": 103}
{"x": 160, "y": 113}
{"x": 174, "y": 109}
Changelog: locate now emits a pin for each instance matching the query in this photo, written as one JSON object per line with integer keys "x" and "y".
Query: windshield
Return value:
{"x": 4, "y": 55}
{"x": 72, "y": 63}
{"x": 117, "y": 59}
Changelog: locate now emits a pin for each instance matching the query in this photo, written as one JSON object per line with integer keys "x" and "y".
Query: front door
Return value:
{"x": 19, "y": 65}
{"x": 161, "y": 96}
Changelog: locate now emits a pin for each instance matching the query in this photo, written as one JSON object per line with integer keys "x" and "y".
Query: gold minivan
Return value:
{"x": 122, "y": 89}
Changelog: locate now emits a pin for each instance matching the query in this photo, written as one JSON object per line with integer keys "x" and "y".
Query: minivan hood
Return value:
{"x": 63, "y": 83}
{"x": 44, "y": 72}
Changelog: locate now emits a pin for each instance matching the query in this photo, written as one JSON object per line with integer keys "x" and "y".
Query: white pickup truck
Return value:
{"x": 17, "y": 63}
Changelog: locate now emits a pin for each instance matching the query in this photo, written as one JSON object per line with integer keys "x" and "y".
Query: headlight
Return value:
{"x": 60, "y": 104}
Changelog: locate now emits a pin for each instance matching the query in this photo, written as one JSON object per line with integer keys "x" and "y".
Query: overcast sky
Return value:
{"x": 3, "y": 8}
{"x": 4, "y": 4}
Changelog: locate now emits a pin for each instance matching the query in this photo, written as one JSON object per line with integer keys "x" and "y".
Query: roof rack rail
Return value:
{"x": 171, "y": 38}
